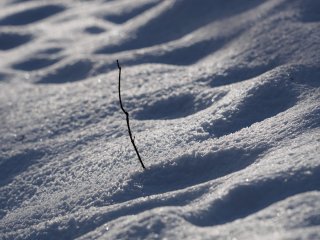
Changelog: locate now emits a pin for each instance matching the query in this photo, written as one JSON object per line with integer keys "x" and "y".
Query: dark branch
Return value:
{"x": 127, "y": 118}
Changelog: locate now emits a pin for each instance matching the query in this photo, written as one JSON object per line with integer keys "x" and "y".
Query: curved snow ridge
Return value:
{"x": 175, "y": 21}
{"x": 167, "y": 223}
{"x": 245, "y": 200}
{"x": 98, "y": 215}
{"x": 253, "y": 194}
{"x": 174, "y": 102}
{"x": 264, "y": 98}
{"x": 185, "y": 171}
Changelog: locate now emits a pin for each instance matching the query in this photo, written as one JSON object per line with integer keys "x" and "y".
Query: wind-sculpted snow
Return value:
{"x": 223, "y": 98}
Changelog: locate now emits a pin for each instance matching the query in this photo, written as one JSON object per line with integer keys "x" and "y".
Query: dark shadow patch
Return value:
{"x": 176, "y": 106}
{"x": 170, "y": 108}
{"x": 3, "y": 76}
{"x": 306, "y": 75}
{"x": 18, "y": 1}
{"x": 311, "y": 120}
{"x": 34, "y": 64}
{"x": 52, "y": 50}
{"x": 69, "y": 73}
{"x": 13, "y": 40}
{"x": 31, "y": 15}
{"x": 12, "y": 166}
{"x": 246, "y": 199}
{"x": 309, "y": 11}
{"x": 94, "y": 30}
{"x": 190, "y": 55}
{"x": 187, "y": 55}
{"x": 184, "y": 17}
{"x": 123, "y": 17}
{"x": 260, "y": 103}
{"x": 238, "y": 74}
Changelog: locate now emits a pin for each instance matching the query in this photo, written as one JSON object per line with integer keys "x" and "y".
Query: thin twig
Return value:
{"x": 127, "y": 118}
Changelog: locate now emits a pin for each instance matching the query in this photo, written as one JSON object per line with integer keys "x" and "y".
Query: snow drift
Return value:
{"x": 224, "y": 104}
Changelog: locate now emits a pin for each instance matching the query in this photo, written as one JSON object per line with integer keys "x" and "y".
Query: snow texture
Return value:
{"x": 224, "y": 105}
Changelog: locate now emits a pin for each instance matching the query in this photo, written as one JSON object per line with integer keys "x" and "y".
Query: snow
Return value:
{"x": 224, "y": 105}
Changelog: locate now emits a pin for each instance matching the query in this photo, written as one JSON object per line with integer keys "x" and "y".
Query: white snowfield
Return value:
{"x": 224, "y": 103}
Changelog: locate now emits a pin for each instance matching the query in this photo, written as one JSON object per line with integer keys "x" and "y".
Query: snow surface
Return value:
{"x": 224, "y": 104}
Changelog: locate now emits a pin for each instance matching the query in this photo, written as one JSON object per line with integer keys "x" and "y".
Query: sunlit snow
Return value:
{"x": 224, "y": 103}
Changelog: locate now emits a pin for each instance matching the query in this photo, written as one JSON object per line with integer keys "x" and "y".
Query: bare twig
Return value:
{"x": 127, "y": 118}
